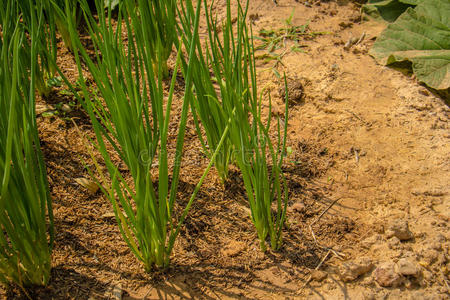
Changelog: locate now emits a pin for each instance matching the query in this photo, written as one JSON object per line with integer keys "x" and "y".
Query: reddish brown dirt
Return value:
{"x": 368, "y": 139}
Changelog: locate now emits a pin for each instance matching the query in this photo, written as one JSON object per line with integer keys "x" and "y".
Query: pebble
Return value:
{"x": 351, "y": 270}
{"x": 109, "y": 215}
{"x": 298, "y": 207}
{"x": 430, "y": 256}
{"x": 318, "y": 275}
{"x": 386, "y": 276}
{"x": 66, "y": 108}
{"x": 424, "y": 91}
{"x": 233, "y": 248}
{"x": 436, "y": 246}
{"x": 394, "y": 242}
{"x": 368, "y": 242}
{"x": 399, "y": 229}
{"x": 407, "y": 267}
{"x": 409, "y": 254}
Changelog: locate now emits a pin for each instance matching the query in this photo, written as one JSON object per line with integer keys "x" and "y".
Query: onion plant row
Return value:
{"x": 230, "y": 55}
{"x": 134, "y": 118}
{"x": 46, "y": 45}
{"x": 26, "y": 222}
{"x": 130, "y": 110}
{"x": 210, "y": 114}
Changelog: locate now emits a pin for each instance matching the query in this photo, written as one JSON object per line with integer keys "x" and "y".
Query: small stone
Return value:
{"x": 368, "y": 242}
{"x": 66, "y": 108}
{"x": 428, "y": 276}
{"x": 349, "y": 271}
{"x": 318, "y": 275}
{"x": 407, "y": 267}
{"x": 430, "y": 256}
{"x": 109, "y": 215}
{"x": 386, "y": 276}
{"x": 294, "y": 88}
{"x": 298, "y": 207}
{"x": 424, "y": 91}
{"x": 233, "y": 248}
{"x": 277, "y": 110}
{"x": 368, "y": 295}
{"x": 399, "y": 229}
{"x": 394, "y": 242}
{"x": 436, "y": 246}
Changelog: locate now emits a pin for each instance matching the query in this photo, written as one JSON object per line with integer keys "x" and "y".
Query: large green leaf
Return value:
{"x": 422, "y": 36}
{"x": 412, "y": 2}
{"x": 388, "y": 10}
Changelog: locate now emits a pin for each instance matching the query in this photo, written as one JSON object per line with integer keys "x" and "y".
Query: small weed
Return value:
{"x": 66, "y": 92}
{"x": 275, "y": 39}
{"x": 54, "y": 81}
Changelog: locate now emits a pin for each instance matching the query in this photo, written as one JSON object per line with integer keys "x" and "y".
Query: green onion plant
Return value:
{"x": 209, "y": 111}
{"x": 230, "y": 55}
{"x": 26, "y": 221}
{"x": 258, "y": 158}
{"x": 156, "y": 19}
{"x": 60, "y": 20}
{"x": 45, "y": 45}
{"x": 133, "y": 118}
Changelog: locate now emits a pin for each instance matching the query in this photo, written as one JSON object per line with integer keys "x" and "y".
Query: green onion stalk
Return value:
{"x": 157, "y": 21}
{"x": 26, "y": 220}
{"x": 231, "y": 56}
{"x": 46, "y": 44}
{"x": 134, "y": 118}
{"x": 61, "y": 23}
{"x": 209, "y": 113}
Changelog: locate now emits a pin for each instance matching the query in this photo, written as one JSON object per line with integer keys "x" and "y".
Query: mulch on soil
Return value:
{"x": 217, "y": 252}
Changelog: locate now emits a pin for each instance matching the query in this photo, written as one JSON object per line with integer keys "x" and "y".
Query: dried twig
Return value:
{"x": 317, "y": 268}
{"x": 340, "y": 255}
{"x": 148, "y": 293}
{"x": 361, "y": 38}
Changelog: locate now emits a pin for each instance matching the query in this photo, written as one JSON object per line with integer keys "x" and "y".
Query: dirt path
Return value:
{"x": 369, "y": 169}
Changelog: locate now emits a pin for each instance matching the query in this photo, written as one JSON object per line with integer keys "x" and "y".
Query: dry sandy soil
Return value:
{"x": 368, "y": 195}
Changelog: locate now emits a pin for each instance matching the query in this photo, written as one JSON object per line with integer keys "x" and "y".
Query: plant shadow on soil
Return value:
{"x": 217, "y": 252}
{"x": 217, "y": 249}
{"x": 69, "y": 284}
